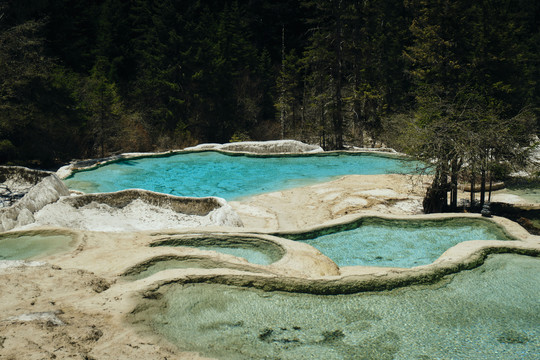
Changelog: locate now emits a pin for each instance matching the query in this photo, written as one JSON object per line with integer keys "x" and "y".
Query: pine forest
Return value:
{"x": 455, "y": 81}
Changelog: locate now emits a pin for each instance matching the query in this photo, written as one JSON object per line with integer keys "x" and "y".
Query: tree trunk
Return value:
{"x": 473, "y": 184}
{"x": 454, "y": 185}
{"x": 482, "y": 187}
{"x": 282, "y": 98}
{"x": 490, "y": 187}
{"x": 338, "y": 114}
{"x": 436, "y": 197}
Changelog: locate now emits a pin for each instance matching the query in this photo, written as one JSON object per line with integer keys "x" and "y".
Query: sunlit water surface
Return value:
{"x": 231, "y": 177}
{"x": 15, "y": 247}
{"x": 491, "y": 312}
{"x": 401, "y": 243}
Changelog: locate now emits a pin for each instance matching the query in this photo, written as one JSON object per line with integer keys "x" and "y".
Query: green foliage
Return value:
{"x": 431, "y": 77}
{"x": 465, "y": 121}
{"x": 36, "y": 111}
{"x": 239, "y": 136}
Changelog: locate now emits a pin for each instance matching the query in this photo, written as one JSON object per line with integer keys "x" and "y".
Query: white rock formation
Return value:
{"x": 136, "y": 210}
{"x": 251, "y": 147}
{"x": 9, "y": 264}
{"x": 47, "y": 189}
{"x": 48, "y": 203}
{"x": 262, "y": 147}
{"x": 49, "y": 317}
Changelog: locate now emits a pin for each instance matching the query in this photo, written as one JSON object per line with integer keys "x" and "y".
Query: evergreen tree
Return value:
{"x": 326, "y": 56}
{"x": 456, "y": 115}
{"x": 158, "y": 89}
{"x": 289, "y": 104}
{"x": 180, "y": 72}
{"x": 378, "y": 34}
{"x": 71, "y": 31}
{"x": 36, "y": 111}
{"x": 112, "y": 42}
{"x": 104, "y": 110}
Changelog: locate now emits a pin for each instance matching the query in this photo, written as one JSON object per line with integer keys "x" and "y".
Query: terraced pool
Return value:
{"x": 397, "y": 243}
{"x": 211, "y": 173}
{"x": 253, "y": 250}
{"x": 491, "y": 312}
{"x": 18, "y": 246}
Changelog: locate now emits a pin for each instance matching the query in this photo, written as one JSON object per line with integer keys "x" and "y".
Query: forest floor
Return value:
{"x": 74, "y": 306}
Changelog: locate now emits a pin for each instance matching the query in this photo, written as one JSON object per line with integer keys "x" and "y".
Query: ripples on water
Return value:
{"x": 401, "y": 243}
{"x": 491, "y": 312}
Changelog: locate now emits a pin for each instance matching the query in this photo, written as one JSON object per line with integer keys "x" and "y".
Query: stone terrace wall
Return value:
{"x": 136, "y": 210}
{"x": 22, "y": 174}
{"x": 119, "y": 199}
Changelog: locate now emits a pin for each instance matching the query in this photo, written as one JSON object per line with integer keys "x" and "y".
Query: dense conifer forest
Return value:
{"x": 455, "y": 81}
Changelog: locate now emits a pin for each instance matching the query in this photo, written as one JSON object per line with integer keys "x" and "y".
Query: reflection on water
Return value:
{"x": 231, "y": 177}
{"x": 491, "y": 312}
{"x": 400, "y": 243}
{"x": 17, "y": 247}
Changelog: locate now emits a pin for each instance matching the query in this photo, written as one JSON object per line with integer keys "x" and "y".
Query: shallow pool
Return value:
{"x": 22, "y": 247}
{"x": 253, "y": 250}
{"x": 231, "y": 177}
{"x": 491, "y": 312}
{"x": 398, "y": 243}
{"x": 157, "y": 265}
{"x": 160, "y": 265}
{"x": 252, "y": 255}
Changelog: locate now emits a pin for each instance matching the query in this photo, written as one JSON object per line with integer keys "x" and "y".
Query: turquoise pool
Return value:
{"x": 231, "y": 177}
{"x": 491, "y": 312}
{"x": 397, "y": 243}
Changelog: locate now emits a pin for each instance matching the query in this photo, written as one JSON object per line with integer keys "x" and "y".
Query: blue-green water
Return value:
{"x": 22, "y": 247}
{"x": 491, "y": 312}
{"x": 400, "y": 243}
{"x": 253, "y": 250}
{"x": 231, "y": 177}
{"x": 253, "y": 255}
{"x": 160, "y": 265}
